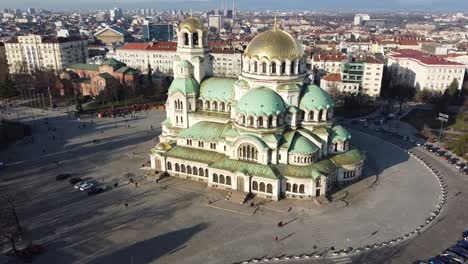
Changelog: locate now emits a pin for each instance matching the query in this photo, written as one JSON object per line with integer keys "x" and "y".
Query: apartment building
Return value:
{"x": 160, "y": 56}
{"x": 372, "y": 76}
{"x": 422, "y": 71}
{"x": 330, "y": 63}
{"x": 34, "y": 52}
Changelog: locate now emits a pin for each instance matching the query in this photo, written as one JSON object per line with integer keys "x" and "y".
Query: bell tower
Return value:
{"x": 192, "y": 45}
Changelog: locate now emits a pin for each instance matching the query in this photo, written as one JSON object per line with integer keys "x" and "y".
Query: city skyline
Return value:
{"x": 423, "y": 5}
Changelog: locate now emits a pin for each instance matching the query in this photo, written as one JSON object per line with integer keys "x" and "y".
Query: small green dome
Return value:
{"x": 339, "y": 133}
{"x": 301, "y": 145}
{"x": 184, "y": 85}
{"x": 217, "y": 88}
{"x": 185, "y": 64}
{"x": 315, "y": 98}
{"x": 261, "y": 101}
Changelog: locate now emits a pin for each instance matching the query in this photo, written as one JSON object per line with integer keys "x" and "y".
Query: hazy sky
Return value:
{"x": 433, "y": 5}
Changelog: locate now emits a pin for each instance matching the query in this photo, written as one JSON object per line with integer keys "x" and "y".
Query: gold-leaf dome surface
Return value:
{"x": 163, "y": 146}
{"x": 274, "y": 44}
{"x": 191, "y": 24}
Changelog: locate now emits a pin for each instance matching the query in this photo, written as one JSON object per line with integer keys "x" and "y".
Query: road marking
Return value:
{"x": 342, "y": 260}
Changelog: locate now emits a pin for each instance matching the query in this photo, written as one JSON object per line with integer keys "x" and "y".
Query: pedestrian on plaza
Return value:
{"x": 102, "y": 131}
{"x": 157, "y": 181}
{"x": 276, "y": 238}
{"x": 252, "y": 204}
{"x": 280, "y": 224}
{"x": 126, "y": 205}
{"x": 136, "y": 184}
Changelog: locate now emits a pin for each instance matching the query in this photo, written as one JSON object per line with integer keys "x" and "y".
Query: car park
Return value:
{"x": 86, "y": 186}
{"x": 459, "y": 251}
{"x": 427, "y": 146}
{"x": 412, "y": 140}
{"x": 62, "y": 176}
{"x": 454, "y": 256}
{"x": 440, "y": 153}
{"x": 419, "y": 143}
{"x": 448, "y": 260}
{"x": 465, "y": 233}
{"x": 463, "y": 244}
{"x": 405, "y": 138}
{"x": 74, "y": 180}
{"x": 435, "y": 260}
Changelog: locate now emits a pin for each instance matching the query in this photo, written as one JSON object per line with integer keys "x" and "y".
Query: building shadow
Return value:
{"x": 152, "y": 249}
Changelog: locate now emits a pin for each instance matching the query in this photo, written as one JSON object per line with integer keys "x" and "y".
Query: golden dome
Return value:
{"x": 163, "y": 146}
{"x": 274, "y": 44}
{"x": 191, "y": 24}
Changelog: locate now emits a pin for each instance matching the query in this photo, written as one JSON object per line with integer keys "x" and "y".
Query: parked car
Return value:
{"x": 362, "y": 120}
{"x": 463, "y": 244}
{"x": 460, "y": 165}
{"x": 419, "y": 143}
{"x": 86, "y": 186}
{"x": 412, "y": 140}
{"x": 95, "y": 190}
{"x": 74, "y": 180}
{"x": 428, "y": 146}
{"x": 454, "y": 256}
{"x": 448, "y": 260}
{"x": 440, "y": 153}
{"x": 62, "y": 176}
{"x": 78, "y": 185}
{"x": 436, "y": 260}
{"x": 459, "y": 251}
{"x": 434, "y": 149}
{"x": 465, "y": 171}
{"x": 366, "y": 124}
{"x": 453, "y": 160}
{"x": 405, "y": 138}
{"x": 377, "y": 129}
{"x": 465, "y": 233}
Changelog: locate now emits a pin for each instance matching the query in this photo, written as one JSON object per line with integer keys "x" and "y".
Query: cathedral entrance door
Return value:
{"x": 240, "y": 183}
{"x": 317, "y": 192}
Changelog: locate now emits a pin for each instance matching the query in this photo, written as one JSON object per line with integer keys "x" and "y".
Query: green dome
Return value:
{"x": 298, "y": 144}
{"x": 184, "y": 85}
{"x": 261, "y": 101}
{"x": 315, "y": 98}
{"x": 184, "y": 64}
{"x": 217, "y": 88}
{"x": 339, "y": 133}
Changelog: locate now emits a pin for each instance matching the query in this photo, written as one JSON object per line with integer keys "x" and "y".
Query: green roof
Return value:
{"x": 197, "y": 59}
{"x": 273, "y": 138}
{"x": 294, "y": 171}
{"x": 106, "y": 75}
{"x": 315, "y": 98}
{"x": 249, "y": 168}
{"x": 231, "y": 132}
{"x": 261, "y": 101}
{"x": 205, "y": 130}
{"x": 184, "y": 85}
{"x": 216, "y": 88}
{"x": 212, "y": 114}
{"x": 82, "y": 80}
{"x": 290, "y": 87}
{"x": 321, "y": 131}
{"x": 339, "y": 133}
{"x": 127, "y": 70}
{"x": 298, "y": 144}
{"x": 193, "y": 154}
{"x": 184, "y": 64}
{"x": 242, "y": 83}
{"x": 84, "y": 66}
{"x": 112, "y": 62}
{"x": 348, "y": 158}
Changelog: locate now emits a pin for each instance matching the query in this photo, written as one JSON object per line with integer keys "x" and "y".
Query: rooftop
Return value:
{"x": 423, "y": 58}
{"x": 152, "y": 46}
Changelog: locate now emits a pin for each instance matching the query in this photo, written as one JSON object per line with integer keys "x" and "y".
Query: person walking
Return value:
{"x": 276, "y": 238}
{"x": 126, "y": 205}
{"x": 136, "y": 184}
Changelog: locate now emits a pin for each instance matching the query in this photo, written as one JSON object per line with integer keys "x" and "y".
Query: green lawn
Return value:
{"x": 419, "y": 117}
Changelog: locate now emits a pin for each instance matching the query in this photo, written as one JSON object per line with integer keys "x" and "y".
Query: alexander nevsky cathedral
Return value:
{"x": 266, "y": 133}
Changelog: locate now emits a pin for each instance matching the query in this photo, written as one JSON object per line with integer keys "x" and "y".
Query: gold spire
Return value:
{"x": 275, "y": 26}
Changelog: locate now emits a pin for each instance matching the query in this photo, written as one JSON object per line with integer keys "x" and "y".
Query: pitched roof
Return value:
{"x": 151, "y": 46}
{"x": 249, "y": 168}
{"x": 116, "y": 29}
{"x": 194, "y": 154}
{"x": 421, "y": 57}
{"x": 112, "y": 62}
{"x": 332, "y": 77}
{"x": 205, "y": 130}
{"x": 106, "y": 75}
{"x": 84, "y": 66}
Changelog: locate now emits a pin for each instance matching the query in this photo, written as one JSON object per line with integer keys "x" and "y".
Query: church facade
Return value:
{"x": 266, "y": 133}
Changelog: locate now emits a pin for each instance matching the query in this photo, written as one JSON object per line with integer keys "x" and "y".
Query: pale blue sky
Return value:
{"x": 433, "y": 5}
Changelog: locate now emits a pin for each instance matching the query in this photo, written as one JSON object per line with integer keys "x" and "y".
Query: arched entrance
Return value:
{"x": 240, "y": 183}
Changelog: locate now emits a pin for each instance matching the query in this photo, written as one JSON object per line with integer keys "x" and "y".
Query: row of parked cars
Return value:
{"x": 456, "y": 254}
{"x": 80, "y": 184}
{"x": 443, "y": 154}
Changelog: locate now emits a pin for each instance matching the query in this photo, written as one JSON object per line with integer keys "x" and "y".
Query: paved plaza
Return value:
{"x": 173, "y": 222}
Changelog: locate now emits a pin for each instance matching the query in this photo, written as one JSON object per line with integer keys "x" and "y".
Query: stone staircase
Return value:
{"x": 236, "y": 197}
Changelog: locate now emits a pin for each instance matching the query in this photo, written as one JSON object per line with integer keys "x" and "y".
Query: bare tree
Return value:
{"x": 10, "y": 226}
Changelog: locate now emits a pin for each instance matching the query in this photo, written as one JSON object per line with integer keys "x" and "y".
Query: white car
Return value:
{"x": 419, "y": 143}
{"x": 78, "y": 185}
{"x": 86, "y": 186}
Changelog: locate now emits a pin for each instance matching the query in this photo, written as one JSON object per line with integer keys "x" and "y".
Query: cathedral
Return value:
{"x": 266, "y": 133}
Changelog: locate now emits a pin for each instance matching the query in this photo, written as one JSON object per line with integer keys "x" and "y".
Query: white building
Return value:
{"x": 34, "y": 52}
{"x": 360, "y": 18}
{"x": 160, "y": 57}
{"x": 330, "y": 63}
{"x": 414, "y": 68}
{"x": 265, "y": 133}
{"x": 215, "y": 21}
{"x": 372, "y": 78}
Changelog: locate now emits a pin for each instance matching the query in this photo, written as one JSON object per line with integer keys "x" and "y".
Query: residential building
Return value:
{"x": 360, "y": 18}
{"x": 226, "y": 62}
{"x": 113, "y": 34}
{"x": 329, "y": 62}
{"x": 215, "y": 21}
{"x": 265, "y": 133}
{"x": 34, "y": 52}
{"x": 422, "y": 71}
{"x": 372, "y": 77}
{"x": 157, "y": 32}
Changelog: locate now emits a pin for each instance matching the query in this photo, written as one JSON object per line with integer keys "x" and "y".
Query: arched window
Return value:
{"x": 293, "y": 64}
{"x": 221, "y": 178}
{"x": 264, "y": 67}
{"x": 269, "y": 188}
{"x": 301, "y": 188}
{"x": 215, "y": 177}
{"x": 182, "y": 168}
{"x": 195, "y": 39}
{"x": 228, "y": 180}
{"x": 270, "y": 121}
{"x": 195, "y": 170}
{"x": 262, "y": 187}
{"x": 260, "y": 121}
{"x": 318, "y": 182}
{"x": 243, "y": 119}
{"x": 247, "y": 151}
{"x": 208, "y": 105}
{"x": 189, "y": 170}
{"x": 311, "y": 115}
{"x": 255, "y": 67}
{"x": 222, "y": 106}
{"x": 273, "y": 67}
{"x": 200, "y": 172}
{"x": 186, "y": 39}
{"x": 169, "y": 166}
{"x": 320, "y": 113}
{"x": 177, "y": 167}
{"x": 254, "y": 186}
{"x": 206, "y": 173}
{"x": 251, "y": 121}
{"x": 288, "y": 187}
{"x": 294, "y": 189}
{"x": 215, "y": 105}
{"x": 283, "y": 67}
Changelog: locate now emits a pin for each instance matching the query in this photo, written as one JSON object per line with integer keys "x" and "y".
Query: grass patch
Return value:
{"x": 420, "y": 117}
